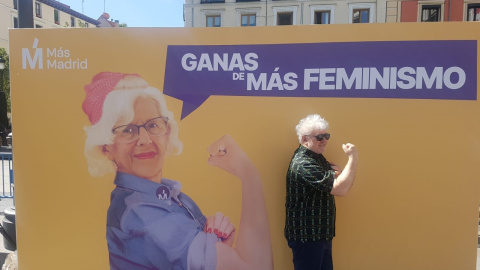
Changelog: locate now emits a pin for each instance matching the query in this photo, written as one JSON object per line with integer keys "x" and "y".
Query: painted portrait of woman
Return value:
{"x": 151, "y": 223}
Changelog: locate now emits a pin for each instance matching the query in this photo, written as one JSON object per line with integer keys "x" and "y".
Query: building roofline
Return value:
{"x": 67, "y": 9}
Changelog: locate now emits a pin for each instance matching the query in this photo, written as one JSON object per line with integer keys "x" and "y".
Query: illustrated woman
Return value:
{"x": 151, "y": 224}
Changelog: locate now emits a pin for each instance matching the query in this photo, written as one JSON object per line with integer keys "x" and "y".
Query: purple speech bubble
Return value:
{"x": 384, "y": 69}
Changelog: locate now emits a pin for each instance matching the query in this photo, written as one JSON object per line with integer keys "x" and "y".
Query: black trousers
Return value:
{"x": 315, "y": 255}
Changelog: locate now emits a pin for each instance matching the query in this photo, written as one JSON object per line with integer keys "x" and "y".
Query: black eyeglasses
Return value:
{"x": 320, "y": 137}
{"x": 128, "y": 133}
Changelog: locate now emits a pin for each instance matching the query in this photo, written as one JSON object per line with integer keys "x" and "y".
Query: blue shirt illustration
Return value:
{"x": 155, "y": 226}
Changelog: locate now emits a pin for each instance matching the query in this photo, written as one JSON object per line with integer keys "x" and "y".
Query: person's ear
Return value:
{"x": 107, "y": 151}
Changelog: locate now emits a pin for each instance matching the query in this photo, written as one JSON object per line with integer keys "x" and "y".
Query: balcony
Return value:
{"x": 211, "y": 1}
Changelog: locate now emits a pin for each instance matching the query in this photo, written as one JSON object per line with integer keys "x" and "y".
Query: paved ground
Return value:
{"x": 478, "y": 259}
{"x": 4, "y": 203}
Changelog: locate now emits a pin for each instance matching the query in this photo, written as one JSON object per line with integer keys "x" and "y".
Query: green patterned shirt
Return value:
{"x": 310, "y": 208}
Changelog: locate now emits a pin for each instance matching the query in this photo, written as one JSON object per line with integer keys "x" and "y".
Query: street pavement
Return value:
{"x": 5, "y": 203}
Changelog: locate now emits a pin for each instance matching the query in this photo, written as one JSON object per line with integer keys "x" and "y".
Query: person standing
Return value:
{"x": 312, "y": 184}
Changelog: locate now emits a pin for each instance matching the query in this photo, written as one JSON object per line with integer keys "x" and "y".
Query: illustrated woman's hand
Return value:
{"x": 226, "y": 154}
{"x": 221, "y": 226}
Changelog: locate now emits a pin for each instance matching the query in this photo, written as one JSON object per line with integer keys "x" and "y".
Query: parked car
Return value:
{"x": 9, "y": 139}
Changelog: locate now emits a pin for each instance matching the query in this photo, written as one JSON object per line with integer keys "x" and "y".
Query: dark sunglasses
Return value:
{"x": 320, "y": 137}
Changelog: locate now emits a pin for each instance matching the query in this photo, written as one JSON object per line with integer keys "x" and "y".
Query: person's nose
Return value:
{"x": 143, "y": 136}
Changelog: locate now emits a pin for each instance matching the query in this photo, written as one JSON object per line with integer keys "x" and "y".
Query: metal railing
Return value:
{"x": 6, "y": 186}
{"x": 211, "y": 1}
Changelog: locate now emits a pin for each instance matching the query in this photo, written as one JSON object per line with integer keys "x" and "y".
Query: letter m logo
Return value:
{"x": 36, "y": 60}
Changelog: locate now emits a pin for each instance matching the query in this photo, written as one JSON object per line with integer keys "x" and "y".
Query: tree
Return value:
{"x": 6, "y": 77}
{"x": 123, "y": 25}
{"x": 81, "y": 24}
{"x": 4, "y": 97}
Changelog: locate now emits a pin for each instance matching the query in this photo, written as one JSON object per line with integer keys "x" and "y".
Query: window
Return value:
{"x": 248, "y": 16}
{"x": 15, "y": 22}
{"x": 322, "y": 14}
{"x": 431, "y": 13}
{"x": 362, "y": 13}
{"x": 212, "y": 17}
{"x": 322, "y": 17}
{"x": 285, "y": 18}
{"x": 285, "y": 15}
{"x": 56, "y": 16}
{"x": 86, "y": 25}
{"x": 249, "y": 19}
{"x": 361, "y": 16}
{"x": 72, "y": 21}
{"x": 473, "y": 12}
{"x": 15, "y": 4}
{"x": 213, "y": 20}
{"x": 38, "y": 10}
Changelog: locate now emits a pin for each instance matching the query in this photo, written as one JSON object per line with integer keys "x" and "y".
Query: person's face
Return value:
{"x": 311, "y": 142}
{"x": 143, "y": 157}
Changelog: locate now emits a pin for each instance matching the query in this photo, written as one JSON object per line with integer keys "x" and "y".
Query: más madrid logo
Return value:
{"x": 51, "y": 58}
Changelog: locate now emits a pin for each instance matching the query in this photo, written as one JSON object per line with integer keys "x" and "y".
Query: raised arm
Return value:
{"x": 345, "y": 179}
{"x": 253, "y": 249}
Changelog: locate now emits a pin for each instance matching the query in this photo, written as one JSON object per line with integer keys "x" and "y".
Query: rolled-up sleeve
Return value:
{"x": 202, "y": 253}
{"x": 311, "y": 173}
{"x": 169, "y": 240}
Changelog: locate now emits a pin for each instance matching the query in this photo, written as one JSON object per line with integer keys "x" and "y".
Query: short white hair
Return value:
{"x": 119, "y": 107}
{"x": 310, "y": 123}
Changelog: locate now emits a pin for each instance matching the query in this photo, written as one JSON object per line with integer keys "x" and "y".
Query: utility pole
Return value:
{"x": 25, "y": 13}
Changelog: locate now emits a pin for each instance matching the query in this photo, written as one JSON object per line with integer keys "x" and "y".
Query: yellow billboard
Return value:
{"x": 209, "y": 116}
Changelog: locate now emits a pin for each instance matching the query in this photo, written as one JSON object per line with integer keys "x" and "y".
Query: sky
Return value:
{"x": 135, "y": 13}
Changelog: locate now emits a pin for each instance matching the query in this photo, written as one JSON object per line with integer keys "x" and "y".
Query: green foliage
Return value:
{"x": 6, "y": 77}
{"x": 81, "y": 24}
{"x": 123, "y": 25}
